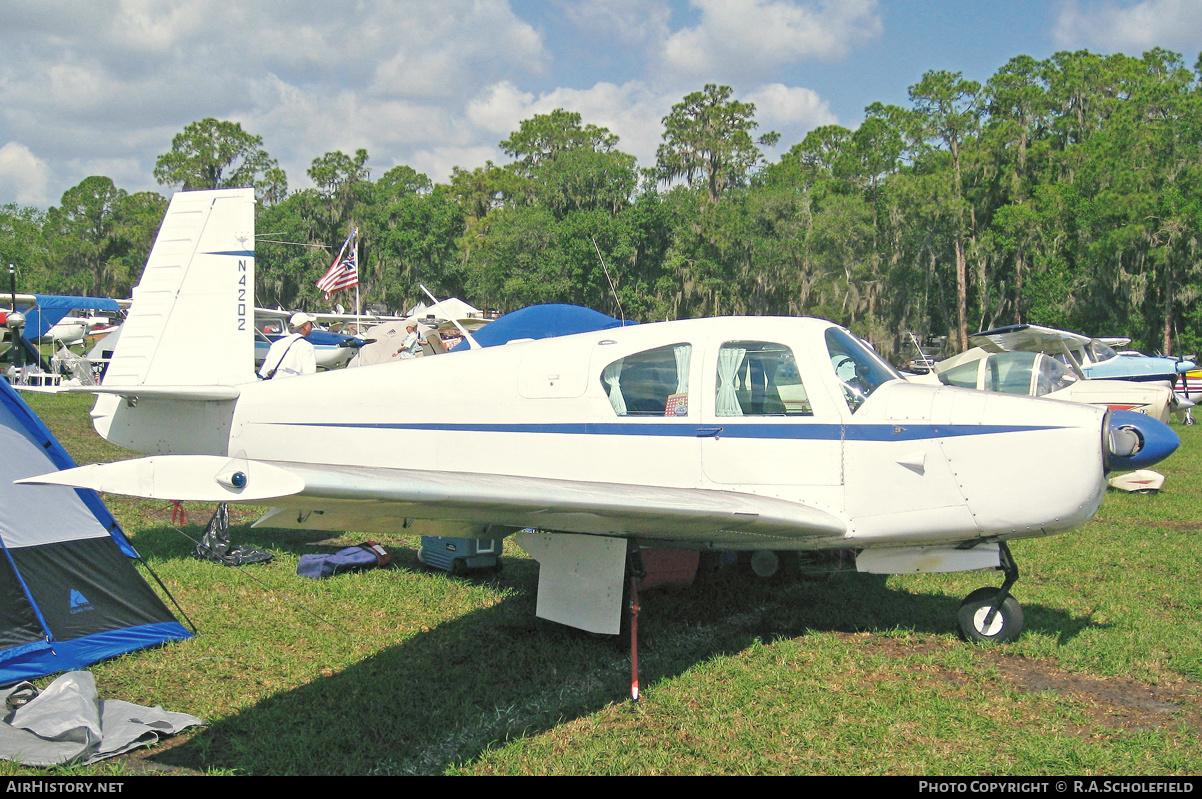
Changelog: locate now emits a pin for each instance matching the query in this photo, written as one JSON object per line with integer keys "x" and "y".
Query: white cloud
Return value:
{"x": 26, "y": 175}
{"x": 431, "y": 83}
{"x": 790, "y": 111}
{"x": 1132, "y": 28}
{"x": 631, "y": 22}
{"x": 114, "y": 80}
{"x": 438, "y": 162}
{"x": 751, "y": 38}
{"x": 631, "y": 110}
{"x": 499, "y": 108}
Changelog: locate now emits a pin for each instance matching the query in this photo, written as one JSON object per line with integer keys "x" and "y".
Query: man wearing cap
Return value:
{"x": 292, "y": 354}
{"x": 411, "y": 344}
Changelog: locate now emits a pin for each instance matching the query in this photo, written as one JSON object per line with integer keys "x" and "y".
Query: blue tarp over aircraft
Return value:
{"x": 49, "y": 309}
{"x": 542, "y": 321}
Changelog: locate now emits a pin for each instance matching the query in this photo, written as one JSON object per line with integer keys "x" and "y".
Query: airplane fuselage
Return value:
{"x": 911, "y": 464}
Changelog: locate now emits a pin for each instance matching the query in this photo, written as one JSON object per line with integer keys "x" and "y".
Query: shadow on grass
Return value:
{"x": 171, "y": 543}
{"x": 446, "y": 696}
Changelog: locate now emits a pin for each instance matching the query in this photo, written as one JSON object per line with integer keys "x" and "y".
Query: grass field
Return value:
{"x": 404, "y": 671}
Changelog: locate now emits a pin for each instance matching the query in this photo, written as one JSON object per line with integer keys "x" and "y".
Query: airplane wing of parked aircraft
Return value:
{"x": 737, "y": 433}
{"x": 1027, "y": 338}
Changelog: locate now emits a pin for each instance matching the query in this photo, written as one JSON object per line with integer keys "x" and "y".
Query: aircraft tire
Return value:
{"x": 764, "y": 563}
{"x": 1006, "y": 625}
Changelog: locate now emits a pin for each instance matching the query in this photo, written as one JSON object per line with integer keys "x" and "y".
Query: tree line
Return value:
{"x": 1062, "y": 192}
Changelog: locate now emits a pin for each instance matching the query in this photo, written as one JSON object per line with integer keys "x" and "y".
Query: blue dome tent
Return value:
{"x": 69, "y": 592}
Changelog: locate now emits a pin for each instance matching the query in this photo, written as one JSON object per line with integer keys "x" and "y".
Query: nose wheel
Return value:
{"x": 991, "y": 615}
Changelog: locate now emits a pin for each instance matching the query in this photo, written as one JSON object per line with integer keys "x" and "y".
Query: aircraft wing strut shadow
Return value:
{"x": 741, "y": 433}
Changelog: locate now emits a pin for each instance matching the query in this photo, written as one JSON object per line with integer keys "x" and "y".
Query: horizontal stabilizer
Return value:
{"x": 198, "y": 478}
{"x": 193, "y": 393}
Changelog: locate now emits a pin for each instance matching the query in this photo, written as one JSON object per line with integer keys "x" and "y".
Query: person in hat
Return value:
{"x": 411, "y": 345}
{"x": 292, "y": 354}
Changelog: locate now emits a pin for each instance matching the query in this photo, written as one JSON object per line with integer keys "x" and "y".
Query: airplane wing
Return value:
{"x": 364, "y": 499}
{"x": 1025, "y": 338}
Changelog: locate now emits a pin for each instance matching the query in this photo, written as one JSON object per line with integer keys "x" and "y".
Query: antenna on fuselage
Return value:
{"x": 471, "y": 342}
{"x": 612, "y": 288}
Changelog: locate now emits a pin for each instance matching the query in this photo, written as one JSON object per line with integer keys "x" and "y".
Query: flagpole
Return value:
{"x": 357, "y": 311}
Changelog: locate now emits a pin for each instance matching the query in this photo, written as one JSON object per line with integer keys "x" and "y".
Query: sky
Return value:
{"x": 100, "y": 87}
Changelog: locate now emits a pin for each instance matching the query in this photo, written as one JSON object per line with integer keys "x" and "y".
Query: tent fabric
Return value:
{"x": 69, "y": 592}
{"x": 542, "y": 321}
{"x": 51, "y": 308}
{"x": 69, "y": 722}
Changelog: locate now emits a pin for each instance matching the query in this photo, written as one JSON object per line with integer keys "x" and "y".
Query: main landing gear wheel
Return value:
{"x": 1005, "y": 625}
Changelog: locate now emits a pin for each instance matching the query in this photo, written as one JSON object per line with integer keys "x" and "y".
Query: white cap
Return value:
{"x": 299, "y": 318}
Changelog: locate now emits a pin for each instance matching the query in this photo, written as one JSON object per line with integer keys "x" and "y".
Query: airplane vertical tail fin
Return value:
{"x": 189, "y": 333}
{"x": 192, "y": 318}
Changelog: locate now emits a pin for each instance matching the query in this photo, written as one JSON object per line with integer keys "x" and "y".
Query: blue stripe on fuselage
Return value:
{"x": 801, "y": 431}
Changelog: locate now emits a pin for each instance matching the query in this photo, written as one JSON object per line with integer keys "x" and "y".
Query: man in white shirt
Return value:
{"x": 411, "y": 344}
{"x": 292, "y": 354}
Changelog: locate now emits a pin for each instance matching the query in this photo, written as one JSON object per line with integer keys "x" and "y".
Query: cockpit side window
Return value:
{"x": 1100, "y": 351}
{"x": 964, "y": 375}
{"x": 1053, "y": 376}
{"x": 759, "y": 378}
{"x": 650, "y": 383}
{"x": 1010, "y": 372}
{"x": 860, "y": 370}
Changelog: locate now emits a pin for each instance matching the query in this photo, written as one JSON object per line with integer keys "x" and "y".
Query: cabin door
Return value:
{"x": 765, "y": 419}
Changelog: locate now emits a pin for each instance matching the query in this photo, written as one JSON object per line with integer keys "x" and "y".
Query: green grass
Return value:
{"x": 404, "y": 671}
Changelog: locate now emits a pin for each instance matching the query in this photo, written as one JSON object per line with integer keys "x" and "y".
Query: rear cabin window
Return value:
{"x": 650, "y": 383}
{"x": 759, "y": 378}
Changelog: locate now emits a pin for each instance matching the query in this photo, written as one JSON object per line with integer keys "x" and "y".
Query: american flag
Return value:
{"x": 344, "y": 272}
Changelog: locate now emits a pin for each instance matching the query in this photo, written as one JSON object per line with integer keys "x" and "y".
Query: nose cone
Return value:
{"x": 1135, "y": 441}
{"x": 1184, "y": 366}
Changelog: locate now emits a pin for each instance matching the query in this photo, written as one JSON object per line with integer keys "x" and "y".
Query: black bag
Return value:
{"x": 215, "y": 544}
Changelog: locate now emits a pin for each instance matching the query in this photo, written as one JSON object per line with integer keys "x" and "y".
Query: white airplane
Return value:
{"x": 751, "y": 433}
{"x": 1042, "y": 375}
{"x": 1091, "y": 357}
{"x": 52, "y": 318}
{"x": 1096, "y": 358}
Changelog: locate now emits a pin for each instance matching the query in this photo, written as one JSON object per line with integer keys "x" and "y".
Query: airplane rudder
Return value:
{"x": 192, "y": 319}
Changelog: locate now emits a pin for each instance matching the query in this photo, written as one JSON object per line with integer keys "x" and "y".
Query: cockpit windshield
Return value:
{"x": 860, "y": 370}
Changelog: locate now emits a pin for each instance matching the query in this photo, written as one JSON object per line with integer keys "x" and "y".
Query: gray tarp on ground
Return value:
{"x": 67, "y": 721}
